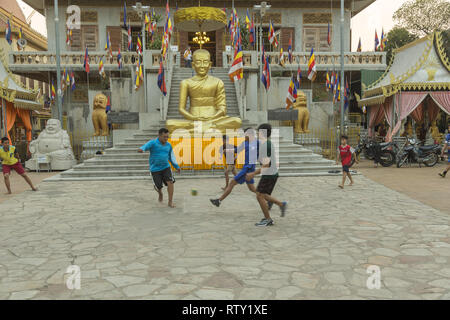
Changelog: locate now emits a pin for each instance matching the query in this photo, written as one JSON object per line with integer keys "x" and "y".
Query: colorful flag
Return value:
{"x": 8, "y": 32}
{"x": 72, "y": 81}
{"x": 312, "y": 66}
{"x": 247, "y": 21}
{"x": 167, "y": 8}
{"x": 376, "y": 40}
{"x": 53, "y": 92}
{"x": 292, "y": 94}
{"x": 359, "y": 49}
{"x": 119, "y": 59}
{"x": 108, "y": 45}
{"x": 137, "y": 83}
{"x": 265, "y": 77}
{"x": 272, "y": 38}
{"x": 252, "y": 35}
{"x": 69, "y": 37}
{"x": 101, "y": 68}
{"x": 346, "y": 95}
{"x": 290, "y": 49}
{"x": 124, "y": 14}
{"x": 86, "y": 61}
{"x": 19, "y": 46}
{"x": 130, "y": 39}
{"x": 281, "y": 58}
{"x": 146, "y": 19}
{"x": 139, "y": 45}
{"x": 299, "y": 77}
{"x": 337, "y": 89}
{"x": 329, "y": 35}
{"x": 383, "y": 40}
{"x": 236, "y": 71}
{"x": 68, "y": 79}
{"x": 332, "y": 80}
{"x": 327, "y": 82}
{"x": 108, "y": 105}
{"x": 161, "y": 79}
{"x": 63, "y": 80}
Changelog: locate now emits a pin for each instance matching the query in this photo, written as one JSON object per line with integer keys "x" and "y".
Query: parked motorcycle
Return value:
{"x": 386, "y": 150}
{"x": 412, "y": 152}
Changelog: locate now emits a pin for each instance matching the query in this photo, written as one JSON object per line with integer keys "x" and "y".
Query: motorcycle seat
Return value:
{"x": 426, "y": 148}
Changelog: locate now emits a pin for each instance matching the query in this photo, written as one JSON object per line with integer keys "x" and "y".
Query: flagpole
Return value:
{"x": 58, "y": 63}
{"x": 342, "y": 66}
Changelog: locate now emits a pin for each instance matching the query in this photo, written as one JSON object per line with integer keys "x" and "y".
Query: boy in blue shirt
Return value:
{"x": 250, "y": 146}
{"x": 161, "y": 153}
{"x": 446, "y": 147}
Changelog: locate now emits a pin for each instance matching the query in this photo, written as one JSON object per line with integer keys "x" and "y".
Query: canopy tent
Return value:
{"x": 16, "y": 101}
{"x": 417, "y": 70}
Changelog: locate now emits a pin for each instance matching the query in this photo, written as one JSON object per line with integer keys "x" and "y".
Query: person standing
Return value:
{"x": 10, "y": 160}
{"x": 446, "y": 147}
{"x": 250, "y": 145}
{"x": 188, "y": 57}
{"x": 228, "y": 152}
{"x": 345, "y": 156}
{"x": 269, "y": 176}
{"x": 161, "y": 156}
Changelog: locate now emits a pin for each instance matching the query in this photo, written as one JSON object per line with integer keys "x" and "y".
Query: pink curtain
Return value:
{"x": 388, "y": 113}
{"x": 418, "y": 113}
{"x": 375, "y": 117}
{"x": 433, "y": 110}
{"x": 406, "y": 103}
{"x": 442, "y": 99}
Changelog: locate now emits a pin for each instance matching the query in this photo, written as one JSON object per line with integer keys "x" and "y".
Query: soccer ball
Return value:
{"x": 193, "y": 192}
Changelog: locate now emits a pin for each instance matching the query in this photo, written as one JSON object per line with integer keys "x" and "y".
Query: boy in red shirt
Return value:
{"x": 345, "y": 155}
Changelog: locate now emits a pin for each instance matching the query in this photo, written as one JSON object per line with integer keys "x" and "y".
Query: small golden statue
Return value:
{"x": 99, "y": 117}
{"x": 207, "y": 100}
{"x": 301, "y": 125}
{"x": 437, "y": 136}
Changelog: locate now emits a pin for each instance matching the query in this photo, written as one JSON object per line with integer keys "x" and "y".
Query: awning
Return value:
{"x": 27, "y": 104}
{"x": 371, "y": 101}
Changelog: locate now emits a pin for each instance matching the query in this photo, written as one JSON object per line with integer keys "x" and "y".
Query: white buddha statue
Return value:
{"x": 53, "y": 142}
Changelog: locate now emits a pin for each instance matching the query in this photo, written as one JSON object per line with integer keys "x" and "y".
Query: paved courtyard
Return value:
{"x": 129, "y": 246}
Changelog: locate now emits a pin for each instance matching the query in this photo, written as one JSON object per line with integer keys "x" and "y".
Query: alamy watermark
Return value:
{"x": 73, "y": 281}
{"x": 374, "y": 280}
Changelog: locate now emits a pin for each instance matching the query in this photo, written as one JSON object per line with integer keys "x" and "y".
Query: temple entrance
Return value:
{"x": 210, "y": 46}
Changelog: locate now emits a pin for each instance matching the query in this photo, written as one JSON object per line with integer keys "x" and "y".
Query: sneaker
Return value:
{"x": 264, "y": 223}
{"x": 443, "y": 174}
{"x": 283, "y": 209}
{"x": 270, "y": 205}
{"x": 215, "y": 202}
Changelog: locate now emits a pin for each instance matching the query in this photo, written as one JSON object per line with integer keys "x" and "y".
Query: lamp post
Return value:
{"x": 262, "y": 11}
{"x": 58, "y": 64}
{"x": 342, "y": 68}
{"x": 140, "y": 9}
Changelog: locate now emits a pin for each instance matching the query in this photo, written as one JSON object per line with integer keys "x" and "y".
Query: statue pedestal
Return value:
{"x": 95, "y": 144}
{"x": 308, "y": 141}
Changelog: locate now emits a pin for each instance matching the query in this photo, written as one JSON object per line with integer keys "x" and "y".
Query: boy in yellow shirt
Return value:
{"x": 8, "y": 155}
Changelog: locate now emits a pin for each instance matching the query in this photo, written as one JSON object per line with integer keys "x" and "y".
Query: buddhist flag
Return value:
{"x": 53, "y": 92}
{"x": 247, "y": 21}
{"x": 139, "y": 45}
{"x": 167, "y": 7}
{"x": 281, "y": 58}
{"x": 161, "y": 79}
{"x": 86, "y": 61}
{"x": 68, "y": 79}
{"x": 327, "y": 82}
{"x": 290, "y": 49}
{"x": 383, "y": 40}
{"x": 119, "y": 59}
{"x": 146, "y": 19}
{"x": 18, "y": 42}
{"x": 108, "y": 45}
{"x": 137, "y": 82}
{"x": 337, "y": 89}
{"x": 346, "y": 95}
{"x": 101, "y": 68}
{"x": 376, "y": 40}
{"x": 292, "y": 94}
{"x": 72, "y": 81}
{"x": 299, "y": 77}
{"x": 237, "y": 68}
{"x": 63, "y": 80}
{"x": 108, "y": 105}
{"x": 124, "y": 14}
{"x": 69, "y": 37}
{"x": 329, "y": 35}
{"x": 359, "y": 49}
{"x": 265, "y": 77}
{"x": 332, "y": 80}
{"x": 130, "y": 40}
{"x": 312, "y": 66}
{"x": 8, "y": 32}
{"x": 252, "y": 33}
{"x": 272, "y": 38}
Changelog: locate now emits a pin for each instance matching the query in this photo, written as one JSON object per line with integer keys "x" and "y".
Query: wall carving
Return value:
{"x": 317, "y": 18}
{"x": 273, "y": 16}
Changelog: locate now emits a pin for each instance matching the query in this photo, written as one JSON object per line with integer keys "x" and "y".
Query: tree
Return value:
{"x": 422, "y": 17}
{"x": 397, "y": 38}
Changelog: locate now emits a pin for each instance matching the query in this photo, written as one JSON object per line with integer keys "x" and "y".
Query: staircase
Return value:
{"x": 123, "y": 162}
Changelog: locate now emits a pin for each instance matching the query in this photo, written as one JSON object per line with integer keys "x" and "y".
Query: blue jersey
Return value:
{"x": 160, "y": 155}
{"x": 447, "y": 141}
{"x": 251, "y": 152}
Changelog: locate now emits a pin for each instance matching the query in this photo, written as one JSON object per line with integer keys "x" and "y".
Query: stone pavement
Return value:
{"x": 129, "y": 246}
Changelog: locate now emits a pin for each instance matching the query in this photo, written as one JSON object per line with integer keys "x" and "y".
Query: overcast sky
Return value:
{"x": 378, "y": 15}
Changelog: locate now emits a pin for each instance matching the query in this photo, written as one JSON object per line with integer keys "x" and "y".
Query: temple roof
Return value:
{"x": 14, "y": 92}
{"x": 420, "y": 65}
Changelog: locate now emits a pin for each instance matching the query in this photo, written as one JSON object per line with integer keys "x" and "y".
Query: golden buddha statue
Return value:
{"x": 207, "y": 100}
{"x": 437, "y": 136}
{"x": 99, "y": 117}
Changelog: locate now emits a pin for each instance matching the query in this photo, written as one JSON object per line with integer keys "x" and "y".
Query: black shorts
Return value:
{"x": 266, "y": 184}
{"x": 160, "y": 177}
{"x": 346, "y": 168}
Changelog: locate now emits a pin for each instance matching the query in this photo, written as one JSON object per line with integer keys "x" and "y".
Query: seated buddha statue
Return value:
{"x": 206, "y": 98}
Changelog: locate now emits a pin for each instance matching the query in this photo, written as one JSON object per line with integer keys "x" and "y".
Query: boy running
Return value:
{"x": 10, "y": 160}
{"x": 250, "y": 146}
{"x": 345, "y": 156}
{"x": 446, "y": 147}
{"x": 269, "y": 172}
{"x": 161, "y": 153}
{"x": 229, "y": 153}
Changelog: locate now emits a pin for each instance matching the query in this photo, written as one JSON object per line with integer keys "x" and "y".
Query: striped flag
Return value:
{"x": 108, "y": 48}
{"x": 72, "y": 81}
{"x": 376, "y": 40}
{"x": 68, "y": 79}
{"x": 139, "y": 45}
{"x": 359, "y": 49}
{"x": 346, "y": 95}
{"x": 53, "y": 92}
{"x": 290, "y": 49}
{"x": 124, "y": 14}
{"x": 8, "y": 32}
{"x": 252, "y": 33}
{"x": 86, "y": 61}
{"x": 20, "y": 37}
{"x": 108, "y": 105}
{"x": 292, "y": 94}
{"x": 327, "y": 82}
{"x": 236, "y": 71}
{"x": 161, "y": 79}
{"x": 329, "y": 35}
{"x": 299, "y": 78}
{"x": 265, "y": 77}
{"x": 130, "y": 40}
{"x": 69, "y": 37}
{"x": 101, "y": 68}
{"x": 383, "y": 40}
{"x": 272, "y": 38}
{"x": 312, "y": 66}
{"x": 119, "y": 59}
{"x": 332, "y": 80}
